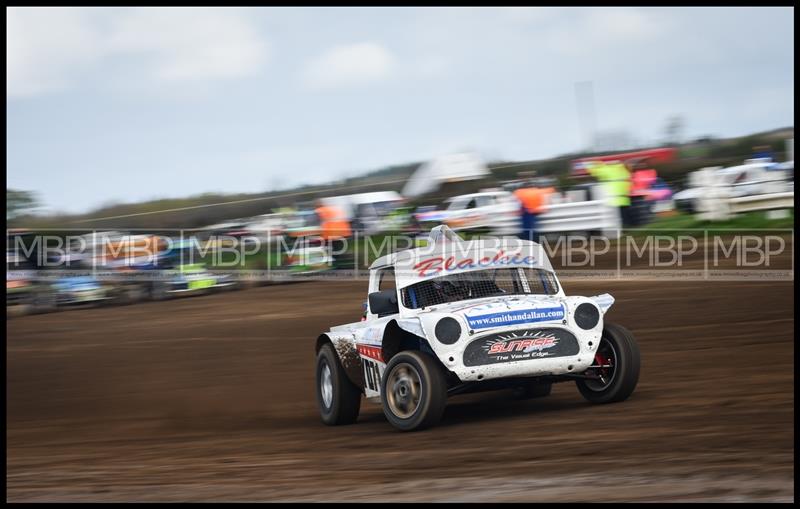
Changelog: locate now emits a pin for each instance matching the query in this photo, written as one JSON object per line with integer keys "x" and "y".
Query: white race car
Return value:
{"x": 457, "y": 316}
{"x": 495, "y": 211}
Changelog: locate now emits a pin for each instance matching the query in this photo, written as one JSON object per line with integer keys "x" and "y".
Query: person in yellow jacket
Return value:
{"x": 616, "y": 181}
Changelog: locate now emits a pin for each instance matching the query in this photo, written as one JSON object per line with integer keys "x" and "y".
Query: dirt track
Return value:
{"x": 212, "y": 398}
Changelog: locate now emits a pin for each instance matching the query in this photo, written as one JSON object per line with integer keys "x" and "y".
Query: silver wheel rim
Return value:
{"x": 403, "y": 390}
{"x": 326, "y": 386}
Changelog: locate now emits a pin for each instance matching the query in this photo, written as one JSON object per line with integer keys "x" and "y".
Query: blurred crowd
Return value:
{"x": 598, "y": 194}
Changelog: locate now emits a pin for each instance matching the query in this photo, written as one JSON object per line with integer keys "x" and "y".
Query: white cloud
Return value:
{"x": 46, "y": 49}
{"x": 187, "y": 44}
{"x": 349, "y": 65}
{"x": 624, "y": 25}
{"x": 604, "y": 29}
{"x": 55, "y": 48}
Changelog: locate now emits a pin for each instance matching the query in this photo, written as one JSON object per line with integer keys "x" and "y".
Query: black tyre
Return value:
{"x": 338, "y": 399}
{"x": 158, "y": 291}
{"x": 615, "y": 370}
{"x": 136, "y": 293}
{"x": 113, "y": 297}
{"x": 125, "y": 294}
{"x": 531, "y": 390}
{"x": 17, "y": 310}
{"x": 414, "y": 391}
{"x": 43, "y": 301}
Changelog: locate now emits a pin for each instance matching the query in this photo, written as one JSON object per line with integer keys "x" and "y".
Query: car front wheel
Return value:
{"x": 614, "y": 373}
{"x": 414, "y": 391}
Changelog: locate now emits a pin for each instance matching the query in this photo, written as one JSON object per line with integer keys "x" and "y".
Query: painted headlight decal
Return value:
{"x": 448, "y": 330}
{"x": 587, "y": 316}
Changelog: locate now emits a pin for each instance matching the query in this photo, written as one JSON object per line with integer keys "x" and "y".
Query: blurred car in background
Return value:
{"x": 308, "y": 255}
{"x": 24, "y": 293}
{"x": 267, "y": 228}
{"x": 303, "y": 222}
{"x": 231, "y": 234}
{"x": 368, "y": 213}
{"x": 686, "y": 199}
{"x": 497, "y": 212}
{"x": 752, "y": 178}
{"x": 80, "y": 290}
{"x": 182, "y": 272}
{"x": 120, "y": 258}
{"x": 402, "y": 220}
{"x": 193, "y": 277}
{"x": 304, "y": 251}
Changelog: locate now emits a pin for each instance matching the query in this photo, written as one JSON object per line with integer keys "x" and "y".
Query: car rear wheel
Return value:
{"x": 414, "y": 391}
{"x": 614, "y": 373}
{"x": 338, "y": 399}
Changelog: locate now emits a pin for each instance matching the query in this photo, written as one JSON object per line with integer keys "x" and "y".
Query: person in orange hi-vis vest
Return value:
{"x": 335, "y": 227}
{"x": 533, "y": 201}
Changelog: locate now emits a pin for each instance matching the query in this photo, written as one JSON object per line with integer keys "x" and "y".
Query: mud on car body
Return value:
{"x": 463, "y": 316}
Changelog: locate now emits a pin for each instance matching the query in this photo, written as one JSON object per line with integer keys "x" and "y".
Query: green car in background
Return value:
{"x": 189, "y": 278}
{"x": 310, "y": 256}
{"x": 194, "y": 276}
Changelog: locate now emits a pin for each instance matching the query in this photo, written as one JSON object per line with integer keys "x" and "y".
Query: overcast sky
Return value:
{"x": 126, "y": 104}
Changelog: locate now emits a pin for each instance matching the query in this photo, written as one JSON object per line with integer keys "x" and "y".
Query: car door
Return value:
{"x": 485, "y": 210}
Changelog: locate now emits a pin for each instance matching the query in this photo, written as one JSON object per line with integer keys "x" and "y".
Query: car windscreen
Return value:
{"x": 479, "y": 284}
{"x": 383, "y": 208}
{"x": 457, "y": 203}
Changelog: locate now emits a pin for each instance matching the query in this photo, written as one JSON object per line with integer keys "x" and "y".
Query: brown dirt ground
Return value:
{"x": 212, "y": 398}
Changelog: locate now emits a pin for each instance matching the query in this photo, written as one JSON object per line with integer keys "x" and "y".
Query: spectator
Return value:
{"x": 335, "y": 229}
{"x": 615, "y": 179}
{"x": 763, "y": 152}
{"x": 533, "y": 202}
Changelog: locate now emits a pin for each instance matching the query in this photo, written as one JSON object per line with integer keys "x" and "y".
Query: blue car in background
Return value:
{"x": 74, "y": 290}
